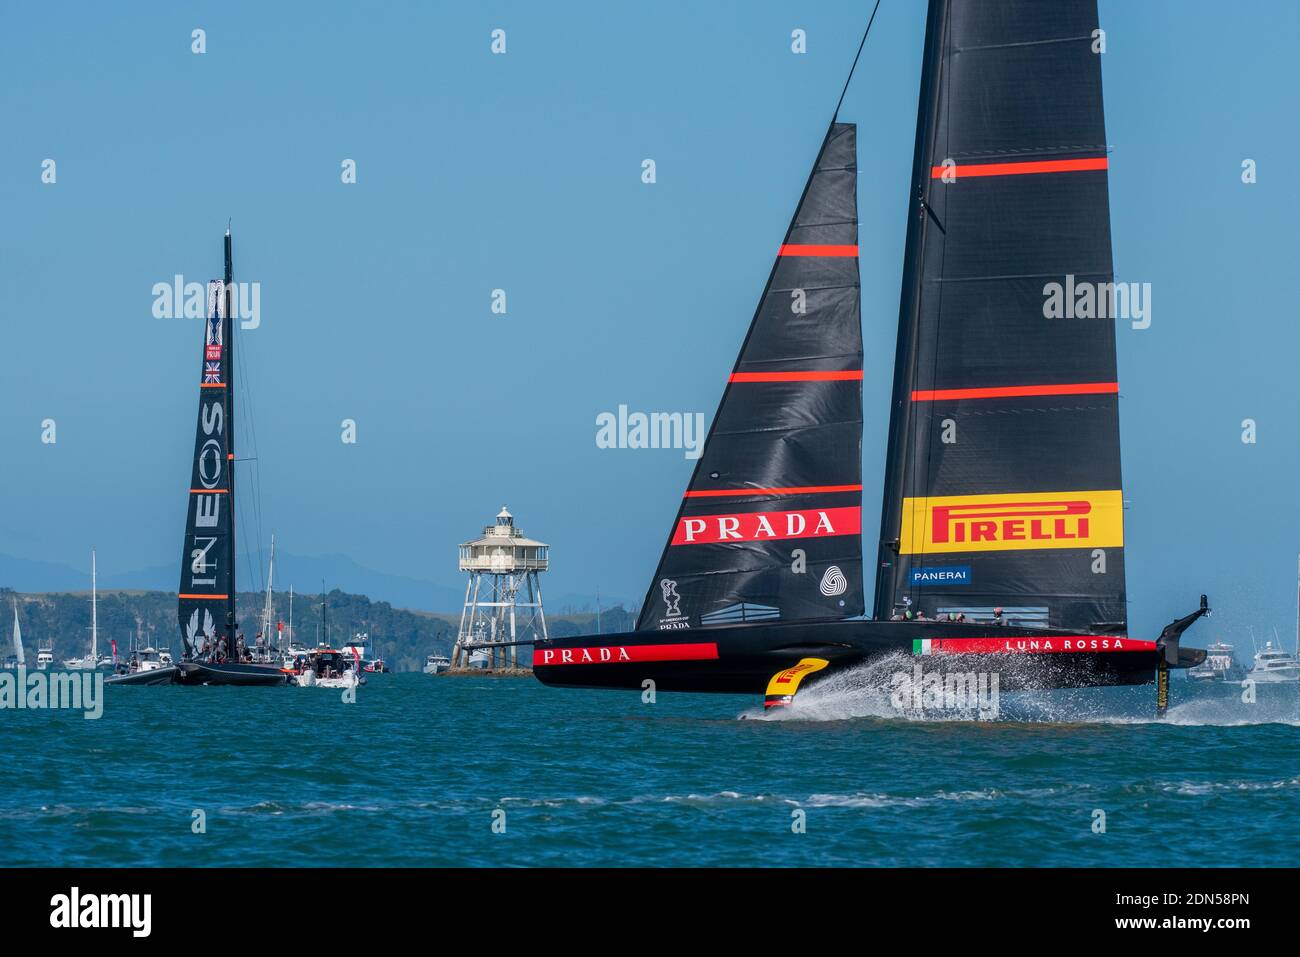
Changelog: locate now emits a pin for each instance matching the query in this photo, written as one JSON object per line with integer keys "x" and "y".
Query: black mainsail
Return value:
{"x": 206, "y": 607}
{"x": 1003, "y": 478}
{"x": 770, "y": 525}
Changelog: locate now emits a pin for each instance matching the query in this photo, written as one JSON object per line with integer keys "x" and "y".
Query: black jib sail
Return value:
{"x": 770, "y": 525}
{"x": 1003, "y": 476}
{"x": 207, "y": 589}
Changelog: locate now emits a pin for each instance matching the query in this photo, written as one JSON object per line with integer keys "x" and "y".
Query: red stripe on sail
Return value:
{"x": 1056, "y": 644}
{"x": 1017, "y": 169}
{"x": 205, "y": 597}
{"x": 624, "y": 654}
{"x": 811, "y": 249}
{"x": 209, "y": 491}
{"x": 1017, "y": 391}
{"x": 843, "y": 375}
{"x": 794, "y": 490}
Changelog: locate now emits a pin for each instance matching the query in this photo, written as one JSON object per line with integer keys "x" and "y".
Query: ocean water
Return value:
{"x": 419, "y": 769}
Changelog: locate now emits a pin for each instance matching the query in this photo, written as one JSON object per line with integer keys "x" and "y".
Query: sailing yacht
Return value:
{"x": 17, "y": 659}
{"x": 206, "y": 601}
{"x": 91, "y": 661}
{"x": 1002, "y": 485}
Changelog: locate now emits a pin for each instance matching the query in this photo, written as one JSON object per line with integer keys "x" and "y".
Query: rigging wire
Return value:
{"x": 255, "y": 572}
{"x": 849, "y": 78}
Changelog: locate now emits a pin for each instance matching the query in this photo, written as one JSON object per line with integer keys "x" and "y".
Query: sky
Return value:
{"x": 522, "y": 172}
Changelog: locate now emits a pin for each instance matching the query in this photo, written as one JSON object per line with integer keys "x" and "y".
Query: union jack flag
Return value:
{"x": 212, "y": 372}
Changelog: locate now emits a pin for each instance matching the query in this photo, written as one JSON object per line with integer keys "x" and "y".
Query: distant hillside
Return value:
{"x": 405, "y": 638}
{"x": 307, "y": 572}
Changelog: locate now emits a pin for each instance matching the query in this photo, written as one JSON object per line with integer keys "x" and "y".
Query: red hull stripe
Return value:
{"x": 1017, "y": 169}
{"x": 793, "y": 249}
{"x": 1057, "y": 644}
{"x": 810, "y": 376}
{"x": 1017, "y": 391}
{"x": 624, "y": 654}
{"x": 794, "y": 490}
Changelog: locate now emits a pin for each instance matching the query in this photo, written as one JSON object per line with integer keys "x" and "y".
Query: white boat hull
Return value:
{"x": 308, "y": 679}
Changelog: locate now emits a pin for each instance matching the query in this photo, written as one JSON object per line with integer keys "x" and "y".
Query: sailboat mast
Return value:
{"x": 1297, "y": 611}
{"x": 909, "y": 314}
{"x": 290, "y": 616}
{"x": 94, "y": 613}
{"x": 266, "y": 611}
{"x": 228, "y": 292}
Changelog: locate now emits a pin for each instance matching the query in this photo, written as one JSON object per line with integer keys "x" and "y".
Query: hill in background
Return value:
{"x": 403, "y": 637}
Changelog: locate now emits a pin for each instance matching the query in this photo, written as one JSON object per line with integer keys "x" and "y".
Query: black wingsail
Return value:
{"x": 207, "y": 588}
{"x": 1003, "y": 477}
{"x": 770, "y": 525}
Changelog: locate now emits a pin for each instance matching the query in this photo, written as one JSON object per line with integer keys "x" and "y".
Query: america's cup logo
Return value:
{"x": 672, "y": 600}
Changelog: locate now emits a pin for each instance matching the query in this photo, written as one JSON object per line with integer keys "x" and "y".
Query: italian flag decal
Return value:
{"x": 1054, "y": 644}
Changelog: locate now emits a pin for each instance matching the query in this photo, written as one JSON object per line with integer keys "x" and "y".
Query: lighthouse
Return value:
{"x": 503, "y": 596}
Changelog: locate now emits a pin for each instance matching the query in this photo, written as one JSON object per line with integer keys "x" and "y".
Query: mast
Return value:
{"x": 94, "y": 613}
{"x": 1297, "y": 612}
{"x": 908, "y": 314}
{"x": 266, "y": 610}
{"x": 228, "y": 292}
{"x": 290, "y": 616}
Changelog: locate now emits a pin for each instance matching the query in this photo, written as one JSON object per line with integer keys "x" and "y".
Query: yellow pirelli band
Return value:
{"x": 1012, "y": 521}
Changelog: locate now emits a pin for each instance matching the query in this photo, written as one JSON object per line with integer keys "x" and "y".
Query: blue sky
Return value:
{"x": 522, "y": 172}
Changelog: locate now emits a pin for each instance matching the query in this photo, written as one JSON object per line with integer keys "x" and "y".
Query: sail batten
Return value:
{"x": 1003, "y": 486}
{"x": 770, "y": 524}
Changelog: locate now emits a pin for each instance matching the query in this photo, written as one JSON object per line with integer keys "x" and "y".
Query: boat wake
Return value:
{"x": 870, "y": 691}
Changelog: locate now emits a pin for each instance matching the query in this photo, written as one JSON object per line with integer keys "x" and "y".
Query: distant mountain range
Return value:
{"x": 306, "y": 573}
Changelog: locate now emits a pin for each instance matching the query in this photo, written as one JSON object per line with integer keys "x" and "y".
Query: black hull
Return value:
{"x": 742, "y": 659}
{"x": 230, "y": 673}
{"x": 157, "y": 676}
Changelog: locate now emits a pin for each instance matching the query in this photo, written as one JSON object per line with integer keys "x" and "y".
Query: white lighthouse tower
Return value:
{"x": 503, "y": 597}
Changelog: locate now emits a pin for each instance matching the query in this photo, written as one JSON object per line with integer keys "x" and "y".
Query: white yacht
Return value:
{"x": 1219, "y": 665}
{"x": 44, "y": 657}
{"x": 1274, "y": 666}
{"x": 436, "y": 664}
{"x": 326, "y": 668}
{"x": 146, "y": 666}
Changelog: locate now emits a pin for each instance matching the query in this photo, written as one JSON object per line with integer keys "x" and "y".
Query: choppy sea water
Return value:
{"x": 416, "y": 770}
